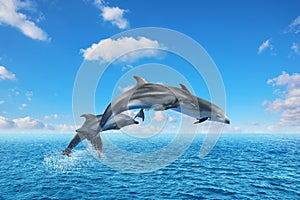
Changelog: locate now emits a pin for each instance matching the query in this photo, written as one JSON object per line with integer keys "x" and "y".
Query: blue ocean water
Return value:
{"x": 241, "y": 166}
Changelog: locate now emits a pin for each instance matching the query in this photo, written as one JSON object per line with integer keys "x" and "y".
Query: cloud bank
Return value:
{"x": 289, "y": 102}
{"x": 28, "y": 124}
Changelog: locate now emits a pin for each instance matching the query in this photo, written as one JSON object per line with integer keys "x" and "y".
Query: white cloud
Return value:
{"x": 115, "y": 15}
{"x": 64, "y": 128}
{"x": 5, "y": 74}
{"x": 10, "y": 15}
{"x": 264, "y": 46}
{"x": 140, "y": 131}
{"x": 295, "y": 25}
{"x": 265, "y": 102}
{"x": 231, "y": 129}
{"x": 54, "y": 116}
{"x": 296, "y": 48}
{"x": 2, "y": 102}
{"x": 171, "y": 119}
{"x": 23, "y": 105}
{"x": 98, "y": 3}
{"x": 283, "y": 129}
{"x": 107, "y": 50}
{"x": 285, "y": 79}
{"x": 28, "y": 124}
{"x": 5, "y": 123}
{"x": 126, "y": 67}
{"x": 159, "y": 116}
{"x": 29, "y": 95}
{"x": 289, "y": 104}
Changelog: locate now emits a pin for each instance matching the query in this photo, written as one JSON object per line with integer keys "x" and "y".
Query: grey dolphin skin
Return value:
{"x": 90, "y": 131}
{"x": 147, "y": 95}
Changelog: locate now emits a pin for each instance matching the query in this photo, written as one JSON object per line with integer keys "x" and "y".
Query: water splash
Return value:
{"x": 56, "y": 161}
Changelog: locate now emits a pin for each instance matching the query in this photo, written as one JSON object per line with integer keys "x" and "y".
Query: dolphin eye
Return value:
{"x": 219, "y": 116}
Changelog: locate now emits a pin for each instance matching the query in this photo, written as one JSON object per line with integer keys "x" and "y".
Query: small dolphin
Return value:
{"x": 89, "y": 130}
{"x": 147, "y": 95}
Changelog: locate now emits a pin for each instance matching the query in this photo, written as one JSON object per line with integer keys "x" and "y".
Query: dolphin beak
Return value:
{"x": 227, "y": 121}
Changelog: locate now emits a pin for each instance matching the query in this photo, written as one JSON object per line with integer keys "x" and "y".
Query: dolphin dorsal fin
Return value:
{"x": 140, "y": 80}
{"x": 184, "y": 88}
{"x": 88, "y": 116}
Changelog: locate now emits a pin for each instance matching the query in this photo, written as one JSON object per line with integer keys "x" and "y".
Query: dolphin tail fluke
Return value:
{"x": 97, "y": 143}
{"x": 140, "y": 114}
{"x": 85, "y": 132}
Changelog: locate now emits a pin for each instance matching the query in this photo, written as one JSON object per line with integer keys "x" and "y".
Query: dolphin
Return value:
{"x": 146, "y": 95}
{"x": 89, "y": 130}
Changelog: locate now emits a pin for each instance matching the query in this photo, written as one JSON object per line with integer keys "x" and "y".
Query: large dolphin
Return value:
{"x": 146, "y": 95}
{"x": 89, "y": 130}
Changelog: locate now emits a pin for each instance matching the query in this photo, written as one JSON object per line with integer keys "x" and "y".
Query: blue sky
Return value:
{"x": 255, "y": 45}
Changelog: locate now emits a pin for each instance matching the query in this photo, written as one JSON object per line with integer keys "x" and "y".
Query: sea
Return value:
{"x": 240, "y": 166}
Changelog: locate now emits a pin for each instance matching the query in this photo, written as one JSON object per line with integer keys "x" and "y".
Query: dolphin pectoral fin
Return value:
{"x": 185, "y": 88}
{"x": 116, "y": 127}
{"x": 74, "y": 142}
{"x": 67, "y": 152}
{"x": 201, "y": 120}
{"x": 139, "y": 80}
{"x": 141, "y": 114}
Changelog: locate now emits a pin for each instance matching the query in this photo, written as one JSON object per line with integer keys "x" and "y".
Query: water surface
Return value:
{"x": 241, "y": 166}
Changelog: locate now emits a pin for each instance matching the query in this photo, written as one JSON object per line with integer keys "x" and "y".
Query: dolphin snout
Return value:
{"x": 227, "y": 121}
